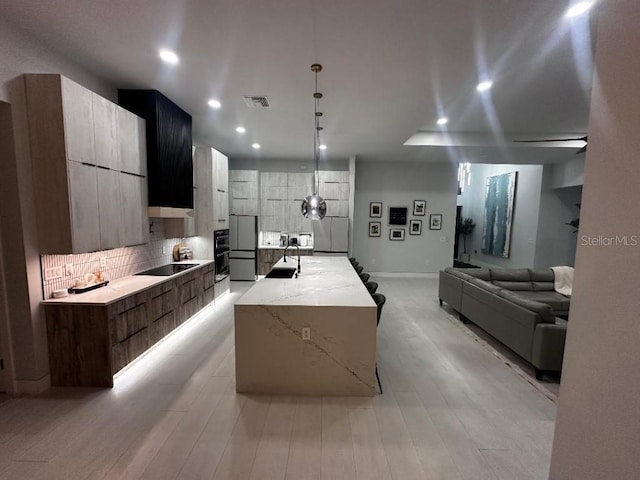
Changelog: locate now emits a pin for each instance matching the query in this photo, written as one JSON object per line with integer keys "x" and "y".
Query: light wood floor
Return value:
{"x": 451, "y": 410}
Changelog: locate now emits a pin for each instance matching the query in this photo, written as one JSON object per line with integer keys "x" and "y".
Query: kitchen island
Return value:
{"x": 311, "y": 335}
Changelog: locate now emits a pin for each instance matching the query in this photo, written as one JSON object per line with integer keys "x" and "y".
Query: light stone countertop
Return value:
{"x": 323, "y": 281}
{"x": 119, "y": 288}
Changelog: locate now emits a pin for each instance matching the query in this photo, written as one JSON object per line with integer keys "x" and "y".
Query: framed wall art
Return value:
{"x": 500, "y": 195}
{"x": 415, "y": 227}
{"x": 398, "y": 215}
{"x": 375, "y": 209}
{"x": 396, "y": 234}
{"x": 375, "y": 229}
{"x": 419, "y": 208}
{"x": 435, "y": 221}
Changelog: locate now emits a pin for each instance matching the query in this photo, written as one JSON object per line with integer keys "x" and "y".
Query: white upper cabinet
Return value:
{"x": 85, "y": 221}
{"x": 109, "y": 208}
{"x": 84, "y": 202}
{"x": 133, "y": 199}
{"x": 77, "y": 115}
{"x": 221, "y": 198}
{"x": 212, "y": 183}
{"x": 105, "y": 132}
{"x": 243, "y": 192}
{"x": 132, "y": 142}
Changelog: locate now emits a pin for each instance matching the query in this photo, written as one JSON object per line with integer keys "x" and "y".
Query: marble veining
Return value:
{"x": 298, "y": 333}
{"x": 331, "y": 301}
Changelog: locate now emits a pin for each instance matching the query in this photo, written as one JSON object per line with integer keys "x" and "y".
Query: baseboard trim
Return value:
{"x": 33, "y": 387}
{"x": 403, "y": 275}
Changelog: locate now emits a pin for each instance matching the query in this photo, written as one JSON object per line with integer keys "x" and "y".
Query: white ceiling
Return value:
{"x": 391, "y": 67}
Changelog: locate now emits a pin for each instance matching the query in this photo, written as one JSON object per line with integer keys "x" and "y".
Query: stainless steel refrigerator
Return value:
{"x": 243, "y": 244}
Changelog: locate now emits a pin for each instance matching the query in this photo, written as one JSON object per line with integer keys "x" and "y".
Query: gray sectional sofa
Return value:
{"x": 518, "y": 307}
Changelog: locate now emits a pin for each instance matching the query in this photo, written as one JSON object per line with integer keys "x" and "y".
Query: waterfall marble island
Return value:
{"x": 311, "y": 335}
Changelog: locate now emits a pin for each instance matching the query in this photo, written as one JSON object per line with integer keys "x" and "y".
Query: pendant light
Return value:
{"x": 314, "y": 206}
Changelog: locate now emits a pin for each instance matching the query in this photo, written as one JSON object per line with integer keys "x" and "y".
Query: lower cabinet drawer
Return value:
{"x": 131, "y": 321}
{"x": 128, "y": 350}
{"x": 161, "y": 327}
{"x": 188, "y": 309}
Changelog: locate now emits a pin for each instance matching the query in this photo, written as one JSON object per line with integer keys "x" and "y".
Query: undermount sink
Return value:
{"x": 281, "y": 272}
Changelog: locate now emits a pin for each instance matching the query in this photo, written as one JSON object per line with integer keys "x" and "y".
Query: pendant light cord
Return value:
{"x": 316, "y": 136}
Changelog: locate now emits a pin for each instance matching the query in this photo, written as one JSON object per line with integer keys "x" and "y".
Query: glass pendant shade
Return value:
{"x": 314, "y": 207}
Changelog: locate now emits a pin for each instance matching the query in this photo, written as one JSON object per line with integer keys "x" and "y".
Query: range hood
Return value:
{"x": 169, "y": 158}
{"x": 170, "y": 212}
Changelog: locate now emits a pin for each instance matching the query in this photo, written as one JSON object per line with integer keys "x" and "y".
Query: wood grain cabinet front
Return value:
{"x": 89, "y": 344}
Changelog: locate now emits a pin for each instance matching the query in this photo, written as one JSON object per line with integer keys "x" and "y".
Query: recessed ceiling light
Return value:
{"x": 256, "y": 146}
{"x": 578, "y": 9}
{"x": 169, "y": 57}
{"x": 213, "y": 103}
{"x": 442, "y": 121}
{"x": 241, "y": 129}
{"x": 484, "y": 86}
{"x": 322, "y": 147}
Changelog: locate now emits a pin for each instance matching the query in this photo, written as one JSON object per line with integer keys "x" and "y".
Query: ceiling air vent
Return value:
{"x": 256, "y": 101}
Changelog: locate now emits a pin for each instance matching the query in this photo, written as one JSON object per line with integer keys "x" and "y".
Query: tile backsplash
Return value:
{"x": 120, "y": 262}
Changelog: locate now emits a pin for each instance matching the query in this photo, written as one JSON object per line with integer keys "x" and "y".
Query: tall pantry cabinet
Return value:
{"x": 89, "y": 168}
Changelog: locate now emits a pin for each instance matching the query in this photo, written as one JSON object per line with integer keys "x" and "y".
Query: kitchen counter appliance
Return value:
{"x": 221, "y": 253}
{"x": 167, "y": 270}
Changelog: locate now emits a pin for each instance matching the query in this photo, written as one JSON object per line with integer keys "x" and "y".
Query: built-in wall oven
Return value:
{"x": 221, "y": 253}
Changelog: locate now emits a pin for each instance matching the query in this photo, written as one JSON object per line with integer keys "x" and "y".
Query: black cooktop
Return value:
{"x": 166, "y": 270}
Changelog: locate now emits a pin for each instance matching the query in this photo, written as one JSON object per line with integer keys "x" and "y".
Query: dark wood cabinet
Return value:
{"x": 169, "y": 158}
{"x": 268, "y": 257}
{"x": 88, "y": 344}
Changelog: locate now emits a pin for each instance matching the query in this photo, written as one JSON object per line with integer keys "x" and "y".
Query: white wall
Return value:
{"x": 566, "y": 174}
{"x": 398, "y": 184}
{"x": 20, "y": 53}
{"x": 556, "y": 242}
{"x": 525, "y": 214}
{"x": 597, "y": 432}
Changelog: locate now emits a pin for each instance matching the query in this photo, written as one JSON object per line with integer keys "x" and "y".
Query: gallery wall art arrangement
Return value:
{"x": 500, "y": 197}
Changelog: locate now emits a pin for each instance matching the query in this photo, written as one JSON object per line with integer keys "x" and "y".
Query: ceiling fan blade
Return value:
{"x": 584, "y": 139}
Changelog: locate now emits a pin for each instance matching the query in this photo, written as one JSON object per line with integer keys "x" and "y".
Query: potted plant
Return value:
{"x": 465, "y": 228}
{"x": 575, "y": 223}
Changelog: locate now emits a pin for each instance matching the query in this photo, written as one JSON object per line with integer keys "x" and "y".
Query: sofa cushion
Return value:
{"x": 514, "y": 286}
{"x": 481, "y": 273}
{"x": 489, "y": 287}
{"x": 545, "y": 275}
{"x": 542, "y": 309}
{"x": 543, "y": 286}
{"x": 542, "y": 280}
{"x": 510, "y": 275}
{"x": 558, "y": 302}
{"x": 459, "y": 273}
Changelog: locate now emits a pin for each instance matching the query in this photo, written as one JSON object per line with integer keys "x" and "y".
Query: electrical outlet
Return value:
{"x": 52, "y": 273}
{"x": 443, "y": 239}
{"x": 103, "y": 262}
{"x": 68, "y": 269}
{"x": 426, "y": 262}
{"x": 373, "y": 261}
{"x": 166, "y": 250}
{"x": 306, "y": 333}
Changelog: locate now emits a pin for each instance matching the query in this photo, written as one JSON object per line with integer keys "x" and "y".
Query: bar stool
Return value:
{"x": 380, "y": 301}
{"x": 371, "y": 286}
{"x": 359, "y": 269}
{"x": 353, "y": 260}
{"x": 365, "y": 277}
